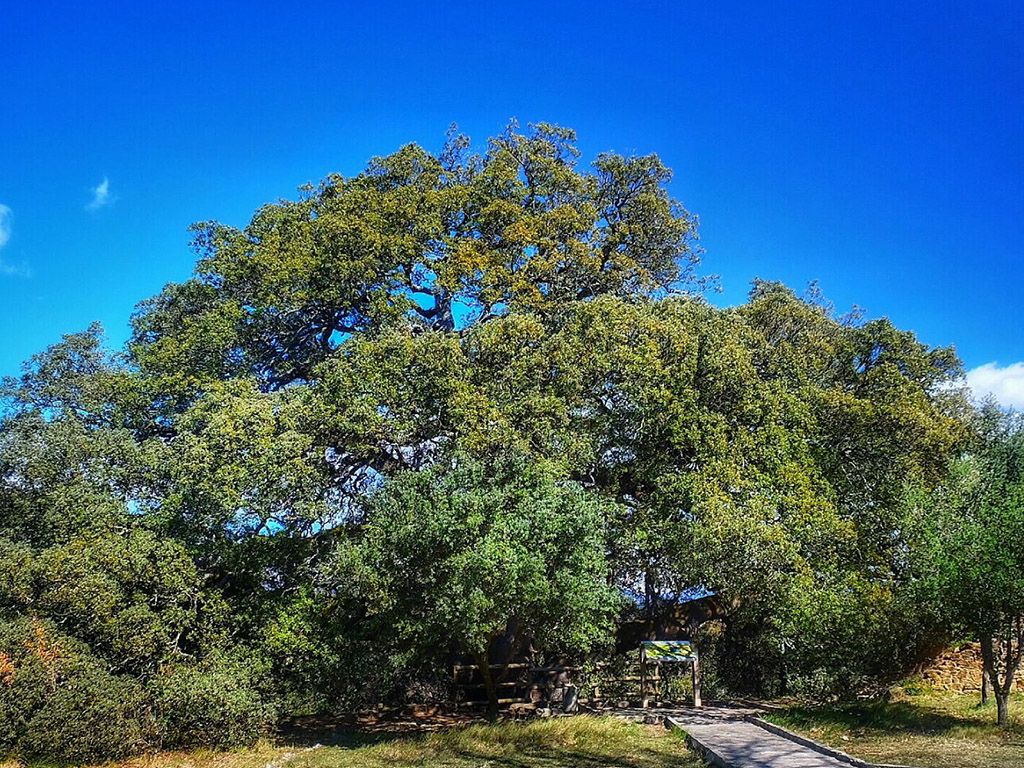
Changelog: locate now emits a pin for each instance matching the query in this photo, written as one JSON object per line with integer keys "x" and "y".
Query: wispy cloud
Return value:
{"x": 1004, "y": 383}
{"x": 14, "y": 270}
{"x": 7, "y": 269}
{"x": 101, "y": 196}
{"x": 6, "y": 215}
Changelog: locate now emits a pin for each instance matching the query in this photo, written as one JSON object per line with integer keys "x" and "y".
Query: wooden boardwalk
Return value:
{"x": 727, "y": 738}
{"x": 741, "y": 744}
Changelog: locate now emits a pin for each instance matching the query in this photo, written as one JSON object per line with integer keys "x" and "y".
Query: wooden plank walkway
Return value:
{"x": 740, "y": 744}
{"x": 727, "y": 738}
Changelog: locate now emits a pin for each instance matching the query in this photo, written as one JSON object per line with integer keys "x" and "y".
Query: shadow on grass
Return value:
{"x": 343, "y": 738}
{"x": 918, "y": 718}
{"x": 577, "y": 758}
{"x": 366, "y": 730}
{"x": 579, "y": 742}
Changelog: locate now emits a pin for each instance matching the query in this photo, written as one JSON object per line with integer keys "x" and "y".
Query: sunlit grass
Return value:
{"x": 928, "y": 730}
{"x": 582, "y": 741}
{"x": 579, "y": 742}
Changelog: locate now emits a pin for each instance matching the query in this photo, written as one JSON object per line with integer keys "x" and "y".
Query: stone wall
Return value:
{"x": 958, "y": 670}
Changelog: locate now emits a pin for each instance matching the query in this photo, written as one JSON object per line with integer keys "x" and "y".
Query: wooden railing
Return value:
{"x": 534, "y": 683}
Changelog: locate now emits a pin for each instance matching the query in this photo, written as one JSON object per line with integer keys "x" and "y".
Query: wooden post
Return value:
{"x": 643, "y": 678}
{"x": 695, "y": 671}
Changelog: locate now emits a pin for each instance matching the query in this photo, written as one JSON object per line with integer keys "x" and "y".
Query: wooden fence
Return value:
{"x": 526, "y": 683}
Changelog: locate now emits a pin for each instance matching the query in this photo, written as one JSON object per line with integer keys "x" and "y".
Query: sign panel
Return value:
{"x": 668, "y": 650}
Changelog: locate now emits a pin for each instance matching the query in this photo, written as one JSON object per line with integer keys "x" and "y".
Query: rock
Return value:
{"x": 570, "y": 702}
{"x": 521, "y": 709}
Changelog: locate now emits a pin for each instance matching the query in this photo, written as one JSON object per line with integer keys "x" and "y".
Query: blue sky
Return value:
{"x": 877, "y": 148}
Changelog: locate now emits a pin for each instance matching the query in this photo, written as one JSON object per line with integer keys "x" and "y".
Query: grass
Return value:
{"x": 579, "y": 742}
{"x": 928, "y": 730}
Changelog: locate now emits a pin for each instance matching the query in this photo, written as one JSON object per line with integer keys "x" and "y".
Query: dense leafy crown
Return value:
{"x": 445, "y": 240}
{"x": 455, "y": 401}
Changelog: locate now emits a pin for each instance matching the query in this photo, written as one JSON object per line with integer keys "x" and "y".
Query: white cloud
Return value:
{"x": 14, "y": 270}
{"x": 6, "y": 225}
{"x": 101, "y": 196}
{"x": 6, "y": 214}
{"x": 1005, "y": 383}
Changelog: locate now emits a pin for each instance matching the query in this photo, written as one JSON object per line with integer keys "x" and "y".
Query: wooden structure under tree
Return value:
{"x": 528, "y": 683}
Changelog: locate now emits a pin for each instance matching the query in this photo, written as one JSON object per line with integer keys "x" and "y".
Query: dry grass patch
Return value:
{"x": 578, "y": 742}
{"x": 928, "y": 730}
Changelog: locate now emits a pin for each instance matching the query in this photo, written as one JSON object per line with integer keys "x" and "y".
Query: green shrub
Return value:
{"x": 91, "y": 716}
{"x": 914, "y": 685}
{"x": 59, "y": 702}
{"x": 216, "y": 703}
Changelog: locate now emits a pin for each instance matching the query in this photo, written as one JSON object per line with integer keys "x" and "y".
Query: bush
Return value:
{"x": 216, "y": 703}
{"x": 92, "y": 716}
{"x": 58, "y": 701}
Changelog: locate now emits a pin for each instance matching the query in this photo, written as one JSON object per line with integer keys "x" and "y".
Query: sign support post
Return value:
{"x": 695, "y": 673}
{"x": 670, "y": 651}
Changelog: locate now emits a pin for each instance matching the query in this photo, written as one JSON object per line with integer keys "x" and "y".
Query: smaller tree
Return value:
{"x": 452, "y": 558}
{"x": 970, "y": 558}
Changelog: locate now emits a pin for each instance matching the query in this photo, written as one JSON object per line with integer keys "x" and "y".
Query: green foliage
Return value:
{"x": 969, "y": 559}
{"x": 843, "y": 631}
{"x": 417, "y": 236}
{"x": 134, "y": 598}
{"x": 58, "y": 701}
{"x": 450, "y": 559}
{"x": 93, "y": 716}
{"x": 241, "y": 466}
{"x": 460, "y": 401}
{"x": 217, "y": 703}
{"x": 972, "y": 553}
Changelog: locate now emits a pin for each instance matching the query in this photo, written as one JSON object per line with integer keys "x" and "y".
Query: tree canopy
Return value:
{"x": 462, "y": 395}
{"x": 441, "y": 241}
{"x": 971, "y": 555}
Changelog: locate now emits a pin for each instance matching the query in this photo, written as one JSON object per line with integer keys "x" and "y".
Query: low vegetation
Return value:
{"x": 927, "y": 730}
{"x": 582, "y": 742}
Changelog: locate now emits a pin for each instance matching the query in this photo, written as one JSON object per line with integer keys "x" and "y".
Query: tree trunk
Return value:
{"x": 649, "y": 603}
{"x": 1002, "y": 707}
{"x": 1001, "y": 684}
{"x": 984, "y": 685}
{"x": 483, "y": 661}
